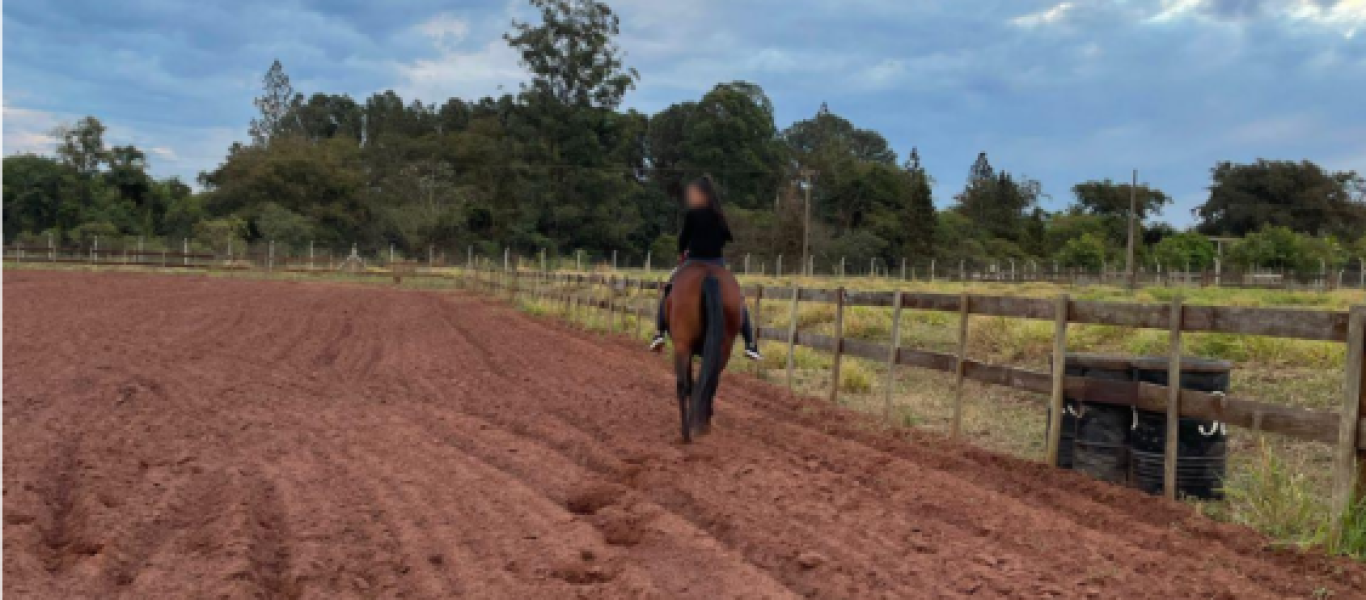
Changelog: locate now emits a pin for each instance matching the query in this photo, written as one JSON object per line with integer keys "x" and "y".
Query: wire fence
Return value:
{"x": 328, "y": 256}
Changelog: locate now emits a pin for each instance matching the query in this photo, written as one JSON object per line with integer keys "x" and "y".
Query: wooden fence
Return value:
{"x": 1344, "y": 429}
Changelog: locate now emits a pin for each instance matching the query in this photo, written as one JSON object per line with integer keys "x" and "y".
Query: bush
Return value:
{"x": 855, "y": 378}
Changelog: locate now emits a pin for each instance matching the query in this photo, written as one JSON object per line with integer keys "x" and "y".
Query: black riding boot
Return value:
{"x": 661, "y": 320}
{"x": 747, "y": 331}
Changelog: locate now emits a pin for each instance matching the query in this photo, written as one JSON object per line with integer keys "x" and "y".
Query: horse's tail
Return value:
{"x": 709, "y": 376}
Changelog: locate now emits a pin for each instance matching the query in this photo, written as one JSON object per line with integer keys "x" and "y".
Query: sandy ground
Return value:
{"x": 187, "y": 437}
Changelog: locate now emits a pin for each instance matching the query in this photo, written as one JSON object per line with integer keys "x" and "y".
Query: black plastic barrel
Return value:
{"x": 1094, "y": 437}
{"x": 1202, "y": 445}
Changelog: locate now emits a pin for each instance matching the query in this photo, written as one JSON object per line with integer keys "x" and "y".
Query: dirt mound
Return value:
{"x": 174, "y": 437}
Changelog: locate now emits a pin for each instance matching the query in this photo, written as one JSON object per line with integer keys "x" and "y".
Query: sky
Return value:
{"x": 1060, "y": 92}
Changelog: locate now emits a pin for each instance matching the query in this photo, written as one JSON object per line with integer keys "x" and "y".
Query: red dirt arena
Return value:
{"x": 194, "y": 437}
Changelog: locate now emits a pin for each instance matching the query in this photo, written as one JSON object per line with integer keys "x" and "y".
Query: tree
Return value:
{"x": 996, "y": 202}
{"x": 323, "y": 182}
{"x": 571, "y": 54}
{"x": 278, "y": 105}
{"x": 1085, "y": 252}
{"x": 843, "y": 158}
{"x": 920, "y": 215}
{"x": 1277, "y": 247}
{"x": 1183, "y": 251}
{"x": 40, "y": 194}
{"x": 1300, "y": 196}
{"x": 81, "y": 145}
{"x": 1110, "y": 201}
{"x": 730, "y": 134}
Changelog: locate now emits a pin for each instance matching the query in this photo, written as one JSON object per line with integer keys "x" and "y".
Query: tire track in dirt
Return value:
{"x": 187, "y": 437}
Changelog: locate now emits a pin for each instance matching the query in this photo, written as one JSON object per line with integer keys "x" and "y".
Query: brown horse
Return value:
{"x": 705, "y": 311}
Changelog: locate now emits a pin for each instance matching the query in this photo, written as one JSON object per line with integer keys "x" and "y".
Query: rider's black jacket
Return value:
{"x": 704, "y": 234}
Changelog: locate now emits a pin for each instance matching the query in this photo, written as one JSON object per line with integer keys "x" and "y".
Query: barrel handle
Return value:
{"x": 1214, "y": 427}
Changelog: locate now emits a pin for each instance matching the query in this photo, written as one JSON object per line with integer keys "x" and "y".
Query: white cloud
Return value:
{"x": 1346, "y": 16}
{"x": 164, "y": 153}
{"x": 445, "y": 30}
{"x": 883, "y": 74}
{"x": 459, "y": 68}
{"x": 28, "y": 130}
{"x": 1050, "y": 16}
{"x": 1174, "y": 10}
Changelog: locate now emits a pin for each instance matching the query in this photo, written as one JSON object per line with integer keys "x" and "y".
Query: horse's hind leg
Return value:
{"x": 683, "y": 373}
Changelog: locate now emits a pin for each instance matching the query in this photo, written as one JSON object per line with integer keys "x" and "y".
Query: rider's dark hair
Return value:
{"x": 708, "y": 187}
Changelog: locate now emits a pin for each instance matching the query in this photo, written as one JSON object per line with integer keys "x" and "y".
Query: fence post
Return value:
{"x": 610, "y": 282}
{"x": 1055, "y": 401}
{"x": 635, "y": 310}
{"x": 964, "y": 310}
{"x": 1346, "y": 464}
{"x": 932, "y": 270}
{"x": 839, "y": 346}
{"x": 95, "y": 250}
{"x": 903, "y": 269}
{"x": 270, "y": 259}
{"x": 746, "y": 263}
{"x": 778, "y": 272}
{"x": 52, "y": 248}
{"x": 647, "y": 263}
{"x": 792, "y": 337}
{"x": 1173, "y": 402}
{"x": 893, "y": 353}
{"x": 185, "y": 251}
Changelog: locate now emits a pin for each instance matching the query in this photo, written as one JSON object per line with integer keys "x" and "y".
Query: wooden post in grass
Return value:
{"x": 635, "y": 310}
{"x": 892, "y": 352}
{"x": 839, "y": 346}
{"x": 964, "y": 305}
{"x": 612, "y": 300}
{"x": 1173, "y": 401}
{"x": 792, "y": 337}
{"x": 1347, "y": 479}
{"x": 1055, "y": 400}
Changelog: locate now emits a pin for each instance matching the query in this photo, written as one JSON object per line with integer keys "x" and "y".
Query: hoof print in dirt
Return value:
{"x": 581, "y": 574}
{"x": 593, "y": 498}
{"x": 810, "y": 560}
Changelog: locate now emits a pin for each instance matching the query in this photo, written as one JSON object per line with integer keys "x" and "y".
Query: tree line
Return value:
{"x": 559, "y": 166}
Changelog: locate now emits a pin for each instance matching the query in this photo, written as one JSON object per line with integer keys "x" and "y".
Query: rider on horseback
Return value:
{"x": 705, "y": 234}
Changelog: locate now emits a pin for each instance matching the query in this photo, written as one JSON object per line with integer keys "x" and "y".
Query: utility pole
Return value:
{"x": 806, "y": 229}
{"x": 1133, "y": 218}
